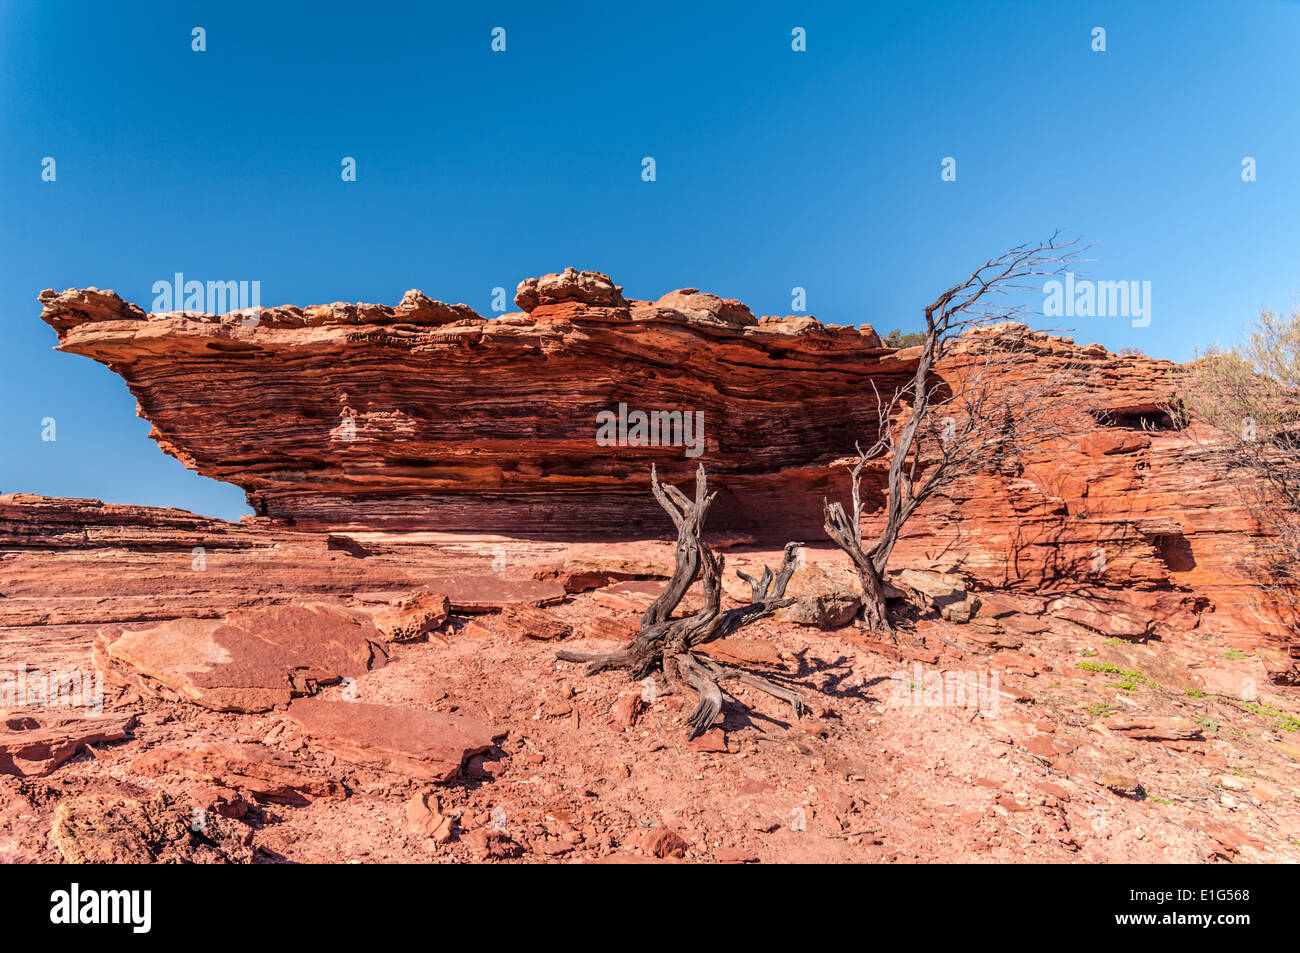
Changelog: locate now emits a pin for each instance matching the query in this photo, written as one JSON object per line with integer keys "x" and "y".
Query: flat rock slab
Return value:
{"x": 1155, "y": 727}
{"x": 256, "y": 769}
{"x": 592, "y": 572}
{"x": 253, "y": 660}
{"x": 609, "y": 629}
{"x": 1231, "y": 679}
{"x": 35, "y": 744}
{"x": 491, "y": 592}
{"x": 430, "y": 746}
{"x": 743, "y": 652}
{"x": 1023, "y": 624}
{"x": 635, "y": 595}
{"x": 1159, "y": 667}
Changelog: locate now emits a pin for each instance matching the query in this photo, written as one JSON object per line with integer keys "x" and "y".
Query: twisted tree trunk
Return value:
{"x": 960, "y": 424}
{"x": 665, "y": 644}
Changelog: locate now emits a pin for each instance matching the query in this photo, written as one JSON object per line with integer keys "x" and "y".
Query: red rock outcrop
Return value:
{"x": 1123, "y": 498}
{"x": 34, "y": 746}
{"x": 426, "y": 416}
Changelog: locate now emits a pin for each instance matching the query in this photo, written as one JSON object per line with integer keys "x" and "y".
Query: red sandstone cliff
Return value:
{"x": 427, "y": 416}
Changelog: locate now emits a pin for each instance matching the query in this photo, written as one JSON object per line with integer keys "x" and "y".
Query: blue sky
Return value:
{"x": 775, "y": 169}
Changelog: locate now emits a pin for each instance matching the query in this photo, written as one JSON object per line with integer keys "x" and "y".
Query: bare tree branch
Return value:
{"x": 976, "y": 415}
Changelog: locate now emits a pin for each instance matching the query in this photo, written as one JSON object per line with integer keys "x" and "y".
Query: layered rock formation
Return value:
{"x": 1123, "y": 496}
{"x": 426, "y": 416}
{"x": 268, "y": 691}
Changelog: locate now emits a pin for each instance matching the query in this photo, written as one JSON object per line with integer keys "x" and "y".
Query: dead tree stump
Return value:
{"x": 665, "y": 645}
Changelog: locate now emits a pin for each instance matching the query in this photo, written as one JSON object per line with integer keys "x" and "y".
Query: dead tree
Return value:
{"x": 978, "y": 416}
{"x": 666, "y": 645}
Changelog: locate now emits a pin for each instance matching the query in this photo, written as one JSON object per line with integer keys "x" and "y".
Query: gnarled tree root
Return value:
{"x": 664, "y": 643}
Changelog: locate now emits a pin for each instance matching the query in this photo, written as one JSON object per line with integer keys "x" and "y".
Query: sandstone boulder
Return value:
{"x": 529, "y": 623}
{"x": 418, "y": 308}
{"x": 828, "y": 610}
{"x": 424, "y": 818}
{"x": 586, "y": 287}
{"x": 707, "y": 308}
{"x": 105, "y": 828}
{"x": 413, "y": 616}
{"x": 74, "y": 307}
{"x": 944, "y": 591}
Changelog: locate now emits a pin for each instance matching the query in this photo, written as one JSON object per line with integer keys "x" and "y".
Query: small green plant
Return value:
{"x": 1282, "y": 720}
{"x": 896, "y": 338}
{"x": 1195, "y": 693}
{"x": 1235, "y": 655}
{"x": 1130, "y": 679}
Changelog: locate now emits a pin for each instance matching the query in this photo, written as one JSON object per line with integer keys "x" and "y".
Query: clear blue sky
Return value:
{"x": 818, "y": 169}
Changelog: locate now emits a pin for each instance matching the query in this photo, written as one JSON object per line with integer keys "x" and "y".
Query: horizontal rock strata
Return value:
{"x": 369, "y": 420}
{"x": 428, "y": 416}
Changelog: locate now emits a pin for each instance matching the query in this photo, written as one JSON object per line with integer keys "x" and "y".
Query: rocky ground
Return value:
{"x": 367, "y": 669}
{"x": 1085, "y": 733}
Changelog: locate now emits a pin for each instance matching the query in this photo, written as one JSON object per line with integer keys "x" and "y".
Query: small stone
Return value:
{"x": 713, "y": 741}
{"x": 734, "y": 855}
{"x": 662, "y": 842}
{"x": 626, "y": 709}
{"x": 1121, "y": 782}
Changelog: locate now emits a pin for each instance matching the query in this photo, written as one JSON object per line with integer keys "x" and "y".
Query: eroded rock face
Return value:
{"x": 413, "y": 616}
{"x": 428, "y": 416}
{"x": 424, "y": 416}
